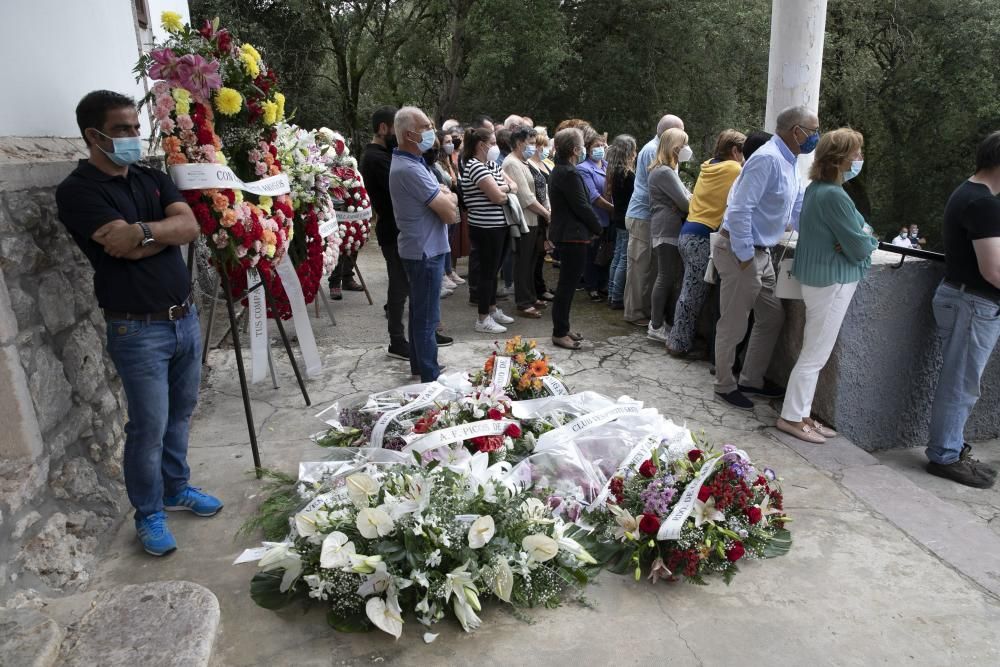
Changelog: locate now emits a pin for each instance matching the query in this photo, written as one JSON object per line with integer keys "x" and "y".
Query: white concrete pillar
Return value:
{"x": 796, "y": 56}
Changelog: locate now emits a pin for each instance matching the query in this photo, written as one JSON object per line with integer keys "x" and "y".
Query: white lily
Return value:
{"x": 465, "y": 599}
{"x": 282, "y": 556}
{"x": 374, "y": 522}
{"x": 534, "y": 510}
{"x": 336, "y": 551}
{"x": 416, "y": 497}
{"x": 360, "y": 487}
{"x": 571, "y": 546}
{"x": 628, "y": 525}
{"x": 386, "y": 615}
{"x": 540, "y": 548}
{"x": 363, "y": 564}
{"x": 481, "y": 532}
{"x": 766, "y": 510}
{"x": 466, "y": 615}
{"x": 420, "y": 578}
{"x": 706, "y": 512}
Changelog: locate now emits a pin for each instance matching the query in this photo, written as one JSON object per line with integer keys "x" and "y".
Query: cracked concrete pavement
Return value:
{"x": 868, "y": 581}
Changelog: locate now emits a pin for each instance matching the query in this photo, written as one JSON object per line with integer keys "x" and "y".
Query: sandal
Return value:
{"x": 806, "y": 432}
{"x": 529, "y": 312}
{"x": 541, "y": 304}
{"x": 575, "y": 336}
{"x": 821, "y": 428}
{"x": 566, "y": 342}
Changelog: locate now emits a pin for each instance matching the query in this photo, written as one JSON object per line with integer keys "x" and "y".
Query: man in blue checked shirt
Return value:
{"x": 765, "y": 200}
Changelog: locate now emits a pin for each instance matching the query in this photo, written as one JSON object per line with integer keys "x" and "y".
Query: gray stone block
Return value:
{"x": 161, "y": 624}
{"x": 62, "y": 550}
{"x": 56, "y": 303}
{"x": 8, "y": 320}
{"x": 28, "y": 638}
{"x": 83, "y": 361}
{"x": 50, "y": 391}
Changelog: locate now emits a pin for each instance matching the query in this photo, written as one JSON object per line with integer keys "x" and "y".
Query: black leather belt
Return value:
{"x": 764, "y": 248}
{"x": 982, "y": 294}
{"x": 169, "y": 315}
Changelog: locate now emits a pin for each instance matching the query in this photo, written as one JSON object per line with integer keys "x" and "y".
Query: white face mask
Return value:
{"x": 449, "y": 149}
{"x": 685, "y": 154}
{"x": 493, "y": 154}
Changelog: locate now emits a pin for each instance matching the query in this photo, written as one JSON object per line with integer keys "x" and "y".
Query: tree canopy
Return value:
{"x": 917, "y": 77}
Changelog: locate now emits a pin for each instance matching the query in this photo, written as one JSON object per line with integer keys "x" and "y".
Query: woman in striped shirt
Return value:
{"x": 484, "y": 191}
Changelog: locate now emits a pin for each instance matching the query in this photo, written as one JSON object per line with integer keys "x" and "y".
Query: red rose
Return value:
{"x": 225, "y": 41}
{"x": 648, "y": 468}
{"x": 761, "y": 481}
{"x": 694, "y": 455}
{"x": 488, "y": 443}
{"x": 754, "y": 515}
{"x": 735, "y": 552}
{"x": 649, "y": 523}
{"x": 495, "y": 413}
{"x": 704, "y": 493}
{"x": 513, "y": 430}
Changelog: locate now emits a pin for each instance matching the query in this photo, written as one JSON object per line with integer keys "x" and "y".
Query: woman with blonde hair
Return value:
{"x": 668, "y": 206}
{"x": 833, "y": 253}
{"x": 708, "y": 203}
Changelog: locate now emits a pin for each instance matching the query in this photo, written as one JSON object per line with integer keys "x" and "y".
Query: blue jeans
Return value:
{"x": 619, "y": 265}
{"x": 425, "y": 313}
{"x": 160, "y": 367}
{"x": 968, "y": 327}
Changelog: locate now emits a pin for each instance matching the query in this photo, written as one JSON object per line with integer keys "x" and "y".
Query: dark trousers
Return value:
{"x": 473, "y": 278}
{"x": 539, "y": 277}
{"x": 573, "y": 258}
{"x": 491, "y": 242}
{"x": 524, "y": 269}
{"x": 425, "y": 313}
{"x": 397, "y": 293}
{"x": 343, "y": 271}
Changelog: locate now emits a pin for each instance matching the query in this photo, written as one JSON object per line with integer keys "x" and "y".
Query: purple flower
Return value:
{"x": 164, "y": 65}
{"x": 199, "y": 76}
{"x": 729, "y": 449}
{"x": 555, "y": 501}
{"x": 769, "y": 475}
{"x": 658, "y": 496}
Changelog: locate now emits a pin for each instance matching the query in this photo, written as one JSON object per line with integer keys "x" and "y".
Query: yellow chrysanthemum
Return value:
{"x": 220, "y": 158}
{"x": 171, "y": 21}
{"x": 265, "y": 203}
{"x": 291, "y": 233}
{"x": 270, "y": 249}
{"x": 251, "y": 60}
{"x": 180, "y": 95}
{"x": 270, "y": 112}
{"x": 183, "y": 108}
{"x": 238, "y": 193}
{"x": 279, "y": 99}
{"x": 228, "y": 101}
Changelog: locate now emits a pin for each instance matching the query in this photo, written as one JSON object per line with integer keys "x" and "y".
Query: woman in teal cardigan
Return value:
{"x": 833, "y": 253}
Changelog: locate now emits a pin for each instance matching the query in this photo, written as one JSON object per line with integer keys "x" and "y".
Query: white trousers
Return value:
{"x": 825, "y": 310}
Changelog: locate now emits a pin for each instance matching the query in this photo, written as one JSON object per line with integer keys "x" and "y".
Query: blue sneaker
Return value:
{"x": 193, "y": 500}
{"x": 155, "y": 535}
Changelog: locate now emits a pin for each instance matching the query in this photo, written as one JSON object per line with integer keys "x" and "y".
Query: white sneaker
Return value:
{"x": 445, "y": 292}
{"x": 657, "y": 334}
{"x": 454, "y": 277}
{"x": 499, "y": 317}
{"x": 448, "y": 283}
{"x": 489, "y": 326}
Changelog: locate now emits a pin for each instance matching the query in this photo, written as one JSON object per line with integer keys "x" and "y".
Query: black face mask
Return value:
{"x": 431, "y": 156}
{"x": 458, "y": 143}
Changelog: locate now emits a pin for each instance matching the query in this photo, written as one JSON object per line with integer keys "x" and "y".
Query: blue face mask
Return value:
{"x": 128, "y": 150}
{"x": 855, "y": 170}
{"x": 528, "y": 152}
{"x": 809, "y": 145}
{"x": 597, "y": 153}
{"x": 545, "y": 153}
{"x": 426, "y": 140}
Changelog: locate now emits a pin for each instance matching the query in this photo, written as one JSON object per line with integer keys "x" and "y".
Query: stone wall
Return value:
{"x": 62, "y": 434}
{"x": 878, "y": 386}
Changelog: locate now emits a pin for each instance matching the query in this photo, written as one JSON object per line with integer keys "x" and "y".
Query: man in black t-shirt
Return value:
{"x": 967, "y": 311}
{"x": 129, "y": 220}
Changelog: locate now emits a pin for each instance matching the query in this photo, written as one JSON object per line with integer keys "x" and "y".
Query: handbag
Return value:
{"x": 787, "y": 285}
{"x": 605, "y": 251}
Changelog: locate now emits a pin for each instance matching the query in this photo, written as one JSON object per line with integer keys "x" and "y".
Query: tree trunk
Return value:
{"x": 448, "y": 99}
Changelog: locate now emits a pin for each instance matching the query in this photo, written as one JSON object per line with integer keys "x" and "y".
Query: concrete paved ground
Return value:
{"x": 889, "y": 566}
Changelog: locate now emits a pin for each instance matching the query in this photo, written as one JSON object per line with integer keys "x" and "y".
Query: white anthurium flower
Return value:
{"x": 503, "y": 585}
{"x": 540, "y": 548}
{"x": 363, "y": 564}
{"x": 360, "y": 487}
{"x": 423, "y": 607}
{"x": 481, "y": 532}
{"x": 387, "y": 616}
{"x": 306, "y": 524}
{"x": 571, "y": 546}
{"x": 706, "y": 512}
{"x": 336, "y": 551}
{"x": 373, "y": 522}
{"x": 284, "y": 557}
{"x": 376, "y": 583}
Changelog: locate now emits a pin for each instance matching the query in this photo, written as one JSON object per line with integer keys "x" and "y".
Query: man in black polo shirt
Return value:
{"x": 967, "y": 312}
{"x": 374, "y": 166}
{"x": 129, "y": 220}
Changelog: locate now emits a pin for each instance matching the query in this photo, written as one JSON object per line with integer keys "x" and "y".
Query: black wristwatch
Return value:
{"x": 147, "y": 235}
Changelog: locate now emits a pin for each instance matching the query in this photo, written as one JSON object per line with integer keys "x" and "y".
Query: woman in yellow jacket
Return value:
{"x": 708, "y": 203}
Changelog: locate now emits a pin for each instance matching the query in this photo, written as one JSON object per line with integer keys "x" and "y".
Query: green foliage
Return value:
{"x": 265, "y": 590}
{"x": 917, "y": 77}
{"x": 280, "y": 503}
